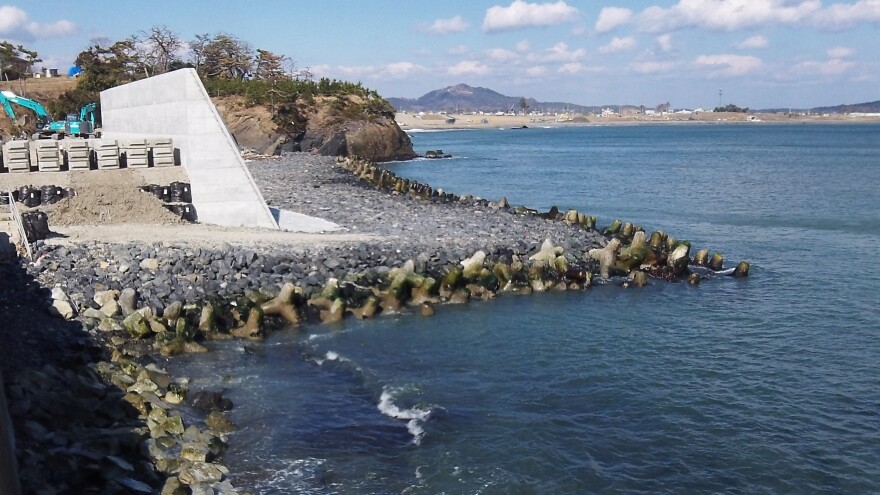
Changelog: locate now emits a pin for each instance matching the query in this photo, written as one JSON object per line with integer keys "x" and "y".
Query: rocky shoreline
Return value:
{"x": 138, "y": 303}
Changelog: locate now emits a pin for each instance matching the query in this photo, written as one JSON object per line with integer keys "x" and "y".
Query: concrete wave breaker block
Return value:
{"x": 106, "y": 153}
{"x": 135, "y": 152}
{"x": 77, "y": 154}
{"x": 161, "y": 152}
{"x": 16, "y": 156}
{"x": 45, "y": 155}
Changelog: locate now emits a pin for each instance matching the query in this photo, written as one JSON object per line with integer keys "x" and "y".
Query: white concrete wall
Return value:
{"x": 176, "y": 105}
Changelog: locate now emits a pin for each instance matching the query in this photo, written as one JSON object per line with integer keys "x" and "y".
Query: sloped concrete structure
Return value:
{"x": 176, "y": 105}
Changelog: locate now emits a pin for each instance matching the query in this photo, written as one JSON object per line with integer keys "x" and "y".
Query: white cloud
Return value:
{"x": 757, "y": 41}
{"x": 729, "y": 65}
{"x": 841, "y": 15}
{"x": 445, "y": 26}
{"x": 559, "y": 53}
{"x": 664, "y": 41}
{"x": 571, "y": 68}
{"x": 839, "y": 52}
{"x": 16, "y": 24}
{"x": 459, "y": 50}
{"x": 727, "y": 15}
{"x": 653, "y": 67}
{"x": 468, "y": 67}
{"x": 831, "y": 67}
{"x": 611, "y": 18}
{"x": 521, "y": 14}
{"x": 538, "y": 70}
{"x": 394, "y": 70}
{"x": 618, "y": 45}
{"x": 502, "y": 55}
{"x": 523, "y": 46}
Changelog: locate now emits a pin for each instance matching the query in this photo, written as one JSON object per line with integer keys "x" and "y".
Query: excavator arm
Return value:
{"x": 87, "y": 113}
{"x": 8, "y": 97}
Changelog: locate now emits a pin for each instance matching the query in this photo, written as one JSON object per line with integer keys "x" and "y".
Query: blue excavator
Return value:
{"x": 8, "y": 98}
{"x": 82, "y": 125}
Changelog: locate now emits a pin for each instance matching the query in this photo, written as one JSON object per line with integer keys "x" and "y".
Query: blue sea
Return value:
{"x": 763, "y": 385}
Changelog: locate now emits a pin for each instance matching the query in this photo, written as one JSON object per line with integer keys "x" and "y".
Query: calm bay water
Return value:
{"x": 769, "y": 384}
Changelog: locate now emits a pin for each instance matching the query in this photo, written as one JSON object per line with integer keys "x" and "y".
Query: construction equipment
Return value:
{"x": 82, "y": 125}
{"x": 7, "y": 98}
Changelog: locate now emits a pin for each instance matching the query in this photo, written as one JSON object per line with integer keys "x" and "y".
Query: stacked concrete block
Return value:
{"x": 16, "y": 156}
{"x": 106, "y": 153}
{"x": 45, "y": 155}
{"x": 136, "y": 153}
{"x": 161, "y": 152}
{"x": 77, "y": 154}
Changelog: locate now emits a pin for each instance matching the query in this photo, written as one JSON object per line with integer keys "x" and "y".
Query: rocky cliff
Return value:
{"x": 330, "y": 126}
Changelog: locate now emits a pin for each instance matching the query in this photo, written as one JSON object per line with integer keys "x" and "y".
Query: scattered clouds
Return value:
{"x": 523, "y": 46}
{"x": 653, "y": 67}
{"x": 459, "y": 50}
{"x": 729, "y": 65}
{"x": 757, "y": 41}
{"x": 521, "y": 14}
{"x": 468, "y": 67}
{"x": 726, "y": 15}
{"x": 559, "y": 53}
{"x": 538, "y": 70}
{"x": 502, "y": 55}
{"x": 734, "y": 15}
{"x": 839, "y": 52}
{"x": 571, "y": 68}
{"x": 446, "y": 26}
{"x": 391, "y": 71}
{"x": 618, "y": 45}
{"x": 17, "y": 25}
{"x": 611, "y": 18}
{"x": 831, "y": 67}
{"x": 664, "y": 41}
{"x": 841, "y": 15}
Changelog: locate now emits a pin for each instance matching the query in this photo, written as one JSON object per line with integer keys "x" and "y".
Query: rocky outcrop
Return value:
{"x": 328, "y": 126}
{"x": 380, "y": 140}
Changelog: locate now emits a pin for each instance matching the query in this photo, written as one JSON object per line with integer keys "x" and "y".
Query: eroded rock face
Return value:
{"x": 330, "y": 129}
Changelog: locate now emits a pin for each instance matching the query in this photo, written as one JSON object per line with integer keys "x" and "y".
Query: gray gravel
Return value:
{"x": 317, "y": 186}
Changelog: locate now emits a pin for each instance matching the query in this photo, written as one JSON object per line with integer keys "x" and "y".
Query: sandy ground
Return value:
{"x": 110, "y": 208}
{"x": 409, "y": 121}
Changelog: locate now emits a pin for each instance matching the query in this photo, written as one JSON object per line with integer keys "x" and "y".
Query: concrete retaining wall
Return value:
{"x": 9, "y": 484}
{"x": 176, "y": 105}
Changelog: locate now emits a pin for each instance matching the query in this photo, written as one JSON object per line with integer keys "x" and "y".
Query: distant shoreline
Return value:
{"x": 410, "y": 121}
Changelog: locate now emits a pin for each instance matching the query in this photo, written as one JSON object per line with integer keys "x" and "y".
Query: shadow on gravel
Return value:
{"x": 73, "y": 431}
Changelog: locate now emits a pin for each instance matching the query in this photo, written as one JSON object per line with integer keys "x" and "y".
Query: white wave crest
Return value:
{"x": 415, "y": 417}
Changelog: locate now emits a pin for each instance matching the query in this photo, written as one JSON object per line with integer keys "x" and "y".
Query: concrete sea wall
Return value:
{"x": 176, "y": 105}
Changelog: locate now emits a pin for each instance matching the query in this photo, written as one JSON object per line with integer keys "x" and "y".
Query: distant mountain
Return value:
{"x": 870, "y": 107}
{"x": 463, "y": 98}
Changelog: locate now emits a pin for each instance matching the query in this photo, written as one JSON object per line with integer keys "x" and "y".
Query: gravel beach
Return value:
{"x": 124, "y": 292}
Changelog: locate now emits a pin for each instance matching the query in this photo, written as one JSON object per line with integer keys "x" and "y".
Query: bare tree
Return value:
{"x": 160, "y": 46}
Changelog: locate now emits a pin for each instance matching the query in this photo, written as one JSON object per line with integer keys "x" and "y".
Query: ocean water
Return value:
{"x": 769, "y": 384}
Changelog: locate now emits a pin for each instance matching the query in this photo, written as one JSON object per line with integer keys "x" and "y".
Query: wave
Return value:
{"x": 414, "y": 416}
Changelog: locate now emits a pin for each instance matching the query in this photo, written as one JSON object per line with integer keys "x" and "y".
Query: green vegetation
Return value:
{"x": 16, "y": 61}
{"x": 227, "y": 65}
{"x": 731, "y": 108}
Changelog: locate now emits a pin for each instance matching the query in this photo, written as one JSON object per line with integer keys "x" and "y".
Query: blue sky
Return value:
{"x": 761, "y": 53}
